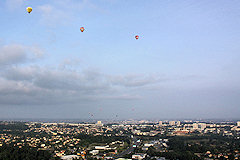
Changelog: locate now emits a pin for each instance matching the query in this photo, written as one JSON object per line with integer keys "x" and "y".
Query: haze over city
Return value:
{"x": 185, "y": 63}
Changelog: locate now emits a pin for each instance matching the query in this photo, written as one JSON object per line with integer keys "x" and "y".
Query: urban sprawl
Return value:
{"x": 161, "y": 140}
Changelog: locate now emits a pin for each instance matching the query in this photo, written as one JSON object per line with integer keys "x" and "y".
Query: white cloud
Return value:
{"x": 12, "y": 54}
{"x": 17, "y": 54}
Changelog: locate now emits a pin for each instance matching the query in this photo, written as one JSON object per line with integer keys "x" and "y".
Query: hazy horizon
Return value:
{"x": 185, "y": 64}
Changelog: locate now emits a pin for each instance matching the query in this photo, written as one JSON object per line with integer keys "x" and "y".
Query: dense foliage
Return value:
{"x": 16, "y": 126}
{"x": 9, "y": 152}
{"x": 186, "y": 147}
{"x": 89, "y": 139}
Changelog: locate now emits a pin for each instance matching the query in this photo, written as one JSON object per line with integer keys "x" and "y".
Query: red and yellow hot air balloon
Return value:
{"x": 82, "y": 29}
{"x": 136, "y": 36}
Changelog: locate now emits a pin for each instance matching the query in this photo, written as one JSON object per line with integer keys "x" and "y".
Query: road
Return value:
{"x": 129, "y": 150}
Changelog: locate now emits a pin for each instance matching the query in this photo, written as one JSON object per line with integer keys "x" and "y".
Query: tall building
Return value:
{"x": 178, "y": 123}
{"x": 203, "y": 126}
{"x": 238, "y": 123}
{"x": 160, "y": 123}
{"x": 195, "y": 126}
{"x": 171, "y": 123}
{"x": 99, "y": 123}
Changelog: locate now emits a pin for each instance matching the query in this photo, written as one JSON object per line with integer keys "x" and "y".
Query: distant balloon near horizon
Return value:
{"x": 82, "y": 29}
{"x": 29, "y": 9}
{"x": 136, "y": 36}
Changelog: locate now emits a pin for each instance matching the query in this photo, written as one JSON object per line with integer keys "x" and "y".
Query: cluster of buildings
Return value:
{"x": 221, "y": 155}
{"x": 63, "y": 141}
{"x": 185, "y": 128}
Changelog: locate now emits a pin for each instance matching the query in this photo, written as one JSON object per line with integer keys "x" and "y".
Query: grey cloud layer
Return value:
{"x": 33, "y": 84}
{"x": 37, "y": 82}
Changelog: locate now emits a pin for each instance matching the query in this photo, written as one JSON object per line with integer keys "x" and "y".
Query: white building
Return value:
{"x": 178, "y": 123}
{"x": 70, "y": 157}
{"x": 160, "y": 123}
{"x": 171, "y": 123}
{"x": 203, "y": 125}
{"x": 139, "y": 156}
{"x": 148, "y": 144}
{"x": 94, "y": 152}
{"x": 238, "y": 123}
{"x": 99, "y": 123}
{"x": 195, "y": 126}
{"x": 101, "y": 147}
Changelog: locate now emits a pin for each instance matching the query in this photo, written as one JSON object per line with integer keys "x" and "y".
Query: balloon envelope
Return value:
{"x": 29, "y": 9}
{"x": 82, "y": 29}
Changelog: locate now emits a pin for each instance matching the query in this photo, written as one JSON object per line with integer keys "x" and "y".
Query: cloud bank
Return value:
{"x": 26, "y": 83}
{"x": 23, "y": 82}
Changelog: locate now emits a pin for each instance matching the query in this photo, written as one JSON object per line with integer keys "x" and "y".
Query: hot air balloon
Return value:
{"x": 136, "y": 36}
{"x": 29, "y": 9}
{"x": 82, "y": 29}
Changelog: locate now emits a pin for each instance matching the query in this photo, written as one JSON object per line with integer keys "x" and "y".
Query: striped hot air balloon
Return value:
{"x": 82, "y": 29}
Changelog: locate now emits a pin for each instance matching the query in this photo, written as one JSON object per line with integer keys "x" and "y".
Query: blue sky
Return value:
{"x": 185, "y": 63}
